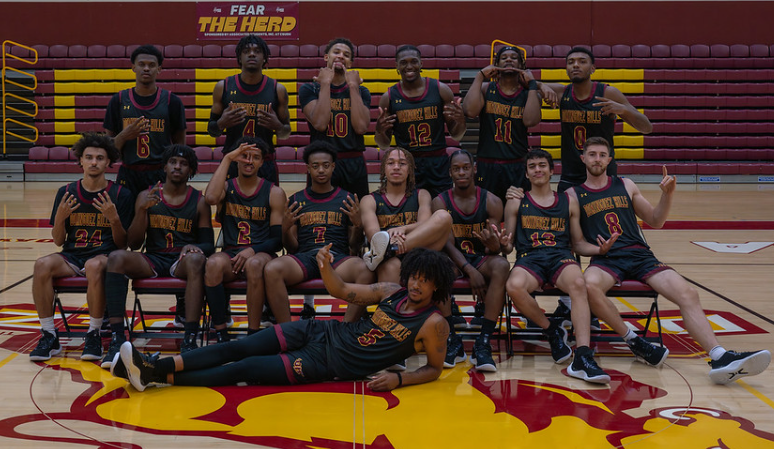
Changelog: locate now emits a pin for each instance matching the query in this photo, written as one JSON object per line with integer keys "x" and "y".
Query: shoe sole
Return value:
{"x": 748, "y": 366}
{"x": 42, "y": 358}
{"x": 580, "y": 374}
{"x": 91, "y": 357}
{"x": 379, "y": 243}
{"x": 131, "y": 370}
{"x": 458, "y": 359}
{"x": 656, "y": 365}
{"x": 113, "y": 364}
{"x": 486, "y": 367}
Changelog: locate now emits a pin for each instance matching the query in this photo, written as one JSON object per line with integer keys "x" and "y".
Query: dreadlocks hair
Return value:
{"x": 537, "y": 153}
{"x": 184, "y": 151}
{"x": 410, "y": 180}
{"x": 96, "y": 140}
{"x": 518, "y": 51}
{"x": 434, "y": 266}
{"x": 249, "y": 40}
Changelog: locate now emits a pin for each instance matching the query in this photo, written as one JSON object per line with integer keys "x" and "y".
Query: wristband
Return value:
{"x": 213, "y": 129}
{"x": 532, "y": 85}
{"x": 465, "y": 265}
{"x": 400, "y": 380}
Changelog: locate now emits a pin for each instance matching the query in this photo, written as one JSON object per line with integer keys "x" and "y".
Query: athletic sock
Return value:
{"x": 216, "y": 297}
{"x": 95, "y": 323}
{"x": 192, "y": 328}
{"x": 717, "y": 352}
{"x": 309, "y": 300}
{"x": 629, "y": 335}
{"x": 487, "y": 327}
{"x": 47, "y": 324}
{"x": 163, "y": 367}
{"x": 566, "y": 301}
{"x": 116, "y": 288}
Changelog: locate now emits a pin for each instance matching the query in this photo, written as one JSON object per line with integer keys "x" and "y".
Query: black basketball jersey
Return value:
{"x": 580, "y": 121}
{"x": 401, "y": 214}
{"x": 540, "y": 227}
{"x": 322, "y": 221}
{"x": 607, "y": 211}
{"x": 340, "y": 132}
{"x": 366, "y": 346}
{"x": 170, "y": 228}
{"x": 464, "y": 225}
{"x": 147, "y": 148}
{"x": 245, "y": 219}
{"x": 88, "y": 232}
{"x": 252, "y": 98}
{"x": 502, "y": 134}
{"x": 419, "y": 125}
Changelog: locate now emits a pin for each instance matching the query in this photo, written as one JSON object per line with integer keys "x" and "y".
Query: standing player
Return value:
{"x": 89, "y": 220}
{"x": 174, "y": 222}
{"x": 337, "y": 109}
{"x": 415, "y": 110}
{"x": 250, "y": 210}
{"x": 474, "y": 248}
{"x": 144, "y": 120}
{"x": 251, "y": 104}
{"x": 610, "y": 205}
{"x": 507, "y": 107}
{"x": 405, "y": 321}
{"x": 316, "y": 216}
{"x": 541, "y": 225}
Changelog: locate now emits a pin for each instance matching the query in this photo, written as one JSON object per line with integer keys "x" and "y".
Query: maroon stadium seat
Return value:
{"x": 602, "y": 51}
{"x": 309, "y": 51}
{"x": 720, "y": 51}
{"x": 386, "y": 51}
{"x": 560, "y": 51}
{"x": 289, "y": 51}
{"x": 38, "y": 153}
{"x": 192, "y": 51}
{"x": 173, "y": 51}
{"x": 700, "y": 51}
{"x": 660, "y": 51}
{"x": 759, "y": 51}
{"x": 115, "y": 51}
{"x": 366, "y": 51}
{"x": 444, "y": 51}
{"x": 739, "y": 51}
{"x": 77, "y": 51}
{"x": 428, "y": 51}
{"x": 542, "y": 51}
{"x": 464, "y": 51}
{"x": 57, "y": 51}
{"x": 212, "y": 51}
{"x": 96, "y": 51}
{"x": 58, "y": 153}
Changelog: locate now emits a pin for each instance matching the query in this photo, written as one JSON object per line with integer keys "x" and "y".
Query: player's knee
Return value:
{"x": 578, "y": 285}
{"x": 42, "y": 268}
{"x": 116, "y": 261}
{"x": 443, "y": 217}
{"x": 254, "y": 267}
{"x": 95, "y": 268}
{"x": 501, "y": 267}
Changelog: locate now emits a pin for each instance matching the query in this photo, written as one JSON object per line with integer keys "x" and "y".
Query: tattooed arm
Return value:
{"x": 359, "y": 294}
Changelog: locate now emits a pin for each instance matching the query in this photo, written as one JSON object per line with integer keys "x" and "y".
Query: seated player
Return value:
{"x": 541, "y": 227}
{"x": 474, "y": 245}
{"x": 318, "y": 215}
{"x": 177, "y": 222}
{"x": 89, "y": 219}
{"x": 250, "y": 210}
{"x": 611, "y": 205}
{"x": 406, "y": 321}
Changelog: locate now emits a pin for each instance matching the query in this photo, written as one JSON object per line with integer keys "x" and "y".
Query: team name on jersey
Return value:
{"x": 393, "y": 220}
{"x": 321, "y": 217}
{"x": 156, "y": 124}
{"x": 604, "y": 204}
{"x": 392, "y": 327}
{"x": 252, "y": 108}
{"x": 170, "y": 223}
{"x": 543, "y": 223}
{"x": 467, "y": 230}
{"x": 89, "y": 219}
{"x": 574, "y": 116}
{"x": 246, "y": 212}
{"x": 417, "y": 114}
{"x": 504, "y": 110}
{"x": 340, "y": 104}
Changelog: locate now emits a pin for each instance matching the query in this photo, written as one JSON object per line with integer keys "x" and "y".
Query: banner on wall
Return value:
{"x": 227, "y": 20}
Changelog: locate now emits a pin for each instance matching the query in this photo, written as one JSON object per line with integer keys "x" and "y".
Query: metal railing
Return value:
{"x": 5, "y": 106}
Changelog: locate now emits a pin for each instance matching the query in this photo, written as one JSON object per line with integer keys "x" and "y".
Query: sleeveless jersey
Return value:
{"x": 609, "y": 210}
{"x": 147, "y": 148}
{"x": 241, "y": 94}
{"x": 540, "y": 227}
{"x": 245, "y": 219}
{"x": 339, "y": 133}
{"x": 502, "y": 134}
{"x": 170, "y": 228}
{"x": 463, "y": 225}
{"x": 419, "y": 125}
{"x": 88, "y": 232}
{"x": 358, "y": 349}
{"x": 322, "y": 221}
{"x": 401, "y": 214}
{"x": 580, "y": 121}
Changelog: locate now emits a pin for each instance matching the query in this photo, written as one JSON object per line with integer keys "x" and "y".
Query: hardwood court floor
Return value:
{"x": 529, "y": 402}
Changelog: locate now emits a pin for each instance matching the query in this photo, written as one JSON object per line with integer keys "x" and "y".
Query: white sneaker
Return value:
{"x": 379, "y": 243}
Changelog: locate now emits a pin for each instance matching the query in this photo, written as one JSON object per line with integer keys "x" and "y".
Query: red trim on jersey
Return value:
{"x": 419, "y": 98}
{"x": 321, "y": 200}
{"x": 591, "y": 97}
{"x": 533, "y": 201}
{"x": 242, "y": 194}
{"x": 247, "y": 92}
{"x": 459, "y": 211}
{"x": 504, "y": 95}
{"x": 176, "y": 206}
{"x": 145, "y": 108}
{"x": 609, "y": 183}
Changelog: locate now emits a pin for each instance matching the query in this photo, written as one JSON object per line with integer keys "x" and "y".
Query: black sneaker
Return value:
{"x": 647, "y": 352}
{"x": 222, "y": 336}
{"x": 92, "y": 348}
{"x": 455, "y": 351}
{"x": 189, "y": 343}
{"x": 48, "y": 346}
{"x": 562, "y": 315}
{"x": 179, "y": 321}
{"x": 308, "y": 312}
{"x": 267, "y": 317}
{"x": 557, "y": 338}
{"x": 139, "y": 368}
{"x": 482, "y": 355}
{"x": 734, "y": 365}
{"x": 457, "y": 320}
{"x": 115, "y": 344}
{"x": 118, "y": 369}
{"x": 478, "y": 316}
{"x": 585, "y": 367}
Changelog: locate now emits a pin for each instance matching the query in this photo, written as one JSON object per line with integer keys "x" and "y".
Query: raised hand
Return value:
{"x": 490, "y": 72}
{"x": 352, "y": 210}
{"x": 525, "y": 76}
{"x": 232, "y": 116}
{"x": 104, "y": 204}
{"x": 292, "y": 214}
{"x": 610, "y": 107}
{"x": 490, "y": 237}
{"x": 668, "y": 182}
{"x": 453, "y": 110}
{"x": 325, "y": 77}
{"x": 605, "y": 245}
{"x": 268, "y": 119}
{"x": 240, "y": 259}
{"x": 241, "y": 153}
{"x": 549, "y": 96}
{"x": 353, "y": 78}
{"x": 66, "y": 206}
{"x": 324, "y": 255}
{"x": 385, "y": 121}
{"x": 137, "y": 127}
{"x": 153, "y": 197}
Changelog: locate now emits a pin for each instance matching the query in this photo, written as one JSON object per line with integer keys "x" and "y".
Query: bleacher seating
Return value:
{"x": 712, "y": 106}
